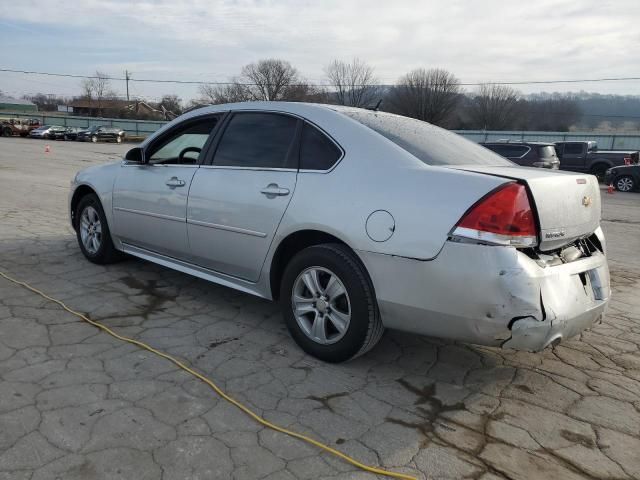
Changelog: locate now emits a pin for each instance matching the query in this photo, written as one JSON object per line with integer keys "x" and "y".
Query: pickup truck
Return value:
{"x": 17, "y": 126}
{"x": 585, "y": 157}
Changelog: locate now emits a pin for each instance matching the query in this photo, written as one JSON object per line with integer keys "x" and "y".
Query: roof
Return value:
{"x": 15, "y": 101}
{"x": 518, "y": 142}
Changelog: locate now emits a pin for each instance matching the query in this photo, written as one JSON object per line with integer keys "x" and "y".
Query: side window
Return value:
{"x": 183, "y": 146}
{"x": 261, "y": 140}
{"x": 317, "y": 152}
{"x": 499, "y": 149}
{"x": 517, "y": 152}
{"x": 572, "y": 148}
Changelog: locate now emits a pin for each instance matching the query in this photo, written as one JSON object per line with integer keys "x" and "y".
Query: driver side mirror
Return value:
{"x": 135, "y": 155}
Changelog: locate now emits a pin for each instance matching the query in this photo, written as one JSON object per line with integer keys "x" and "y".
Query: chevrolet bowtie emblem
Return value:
{"x": 586, "y": 201}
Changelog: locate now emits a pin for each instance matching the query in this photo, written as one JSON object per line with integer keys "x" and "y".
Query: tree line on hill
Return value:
{"x": 434, "y": 95}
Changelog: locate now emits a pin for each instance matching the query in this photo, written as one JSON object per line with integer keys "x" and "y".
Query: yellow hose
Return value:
{"x": 217, "y": 389}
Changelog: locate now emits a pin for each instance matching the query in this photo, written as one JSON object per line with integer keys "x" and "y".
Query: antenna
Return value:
{"x": 377, "y": 106}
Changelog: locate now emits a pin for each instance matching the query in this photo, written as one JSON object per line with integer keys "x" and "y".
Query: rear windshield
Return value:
{"x": 432, "y": 145}
{"x": 547, "y": 151}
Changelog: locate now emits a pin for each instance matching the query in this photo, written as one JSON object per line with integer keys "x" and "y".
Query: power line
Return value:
{"x": 204, "y": 82}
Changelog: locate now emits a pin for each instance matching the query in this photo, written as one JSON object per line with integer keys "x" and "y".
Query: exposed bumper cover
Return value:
{"x": 490, "y": 295}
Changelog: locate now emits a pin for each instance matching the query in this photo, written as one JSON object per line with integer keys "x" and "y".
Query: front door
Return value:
{"x": 236, "y": 204}
{"x": 150, "y": 199}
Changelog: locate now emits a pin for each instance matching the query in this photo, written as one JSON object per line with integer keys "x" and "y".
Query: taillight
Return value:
{"x": 627, "y": 160}
{"x": 503, "y": 217}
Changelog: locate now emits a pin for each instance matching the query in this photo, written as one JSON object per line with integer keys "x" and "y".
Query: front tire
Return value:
{"x": 92, "y": 232}
{"x": 328, "y": 303}
{"x": 625, "y": 183}
{"x": 94, "y": 139}
{"x": 118, "y": 139}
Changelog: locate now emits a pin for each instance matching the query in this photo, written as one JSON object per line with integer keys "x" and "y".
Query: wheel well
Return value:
{"x": 81, "y": 191}
{"x": 596, "y": 166}
{"x": 291, "y": 245}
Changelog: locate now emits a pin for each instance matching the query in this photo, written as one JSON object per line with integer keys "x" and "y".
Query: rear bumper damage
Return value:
{"x": 490, "y": 295}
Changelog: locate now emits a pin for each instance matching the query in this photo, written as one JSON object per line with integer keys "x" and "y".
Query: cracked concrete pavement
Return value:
{"x": 78, "y": 404}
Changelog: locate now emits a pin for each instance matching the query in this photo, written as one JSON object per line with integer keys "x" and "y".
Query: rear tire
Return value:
{"x": 626, "y": 183}
{"x": 6, "y": 132}
{"x": 353, "y": 297}
{"x": 92, "y": 232}
{"x": 599, "y": 170}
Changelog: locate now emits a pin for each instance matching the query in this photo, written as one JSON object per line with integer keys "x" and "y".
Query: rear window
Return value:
{"x": 430, "y": 144}
{"x": 547, "y": 151}
{"x": 317, "y": 152}
{"x": 510, "y": 151}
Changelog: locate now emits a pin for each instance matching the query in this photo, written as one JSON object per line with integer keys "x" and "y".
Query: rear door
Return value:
{"x": 236, "y": 203}
{"x": 573, "y": 156}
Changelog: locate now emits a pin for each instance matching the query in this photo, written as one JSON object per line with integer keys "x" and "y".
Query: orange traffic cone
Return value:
{"x": 47, "y": 149}
{"x": 610, "y": 189}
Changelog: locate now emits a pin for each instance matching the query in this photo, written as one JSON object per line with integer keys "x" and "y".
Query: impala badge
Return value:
{"x": 586, "y": 201}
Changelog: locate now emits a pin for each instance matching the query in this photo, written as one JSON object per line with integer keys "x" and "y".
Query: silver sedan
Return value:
{"x": 355, "y": 221}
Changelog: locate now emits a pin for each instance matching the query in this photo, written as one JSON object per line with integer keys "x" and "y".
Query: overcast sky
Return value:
{"x": 489, "y": 40}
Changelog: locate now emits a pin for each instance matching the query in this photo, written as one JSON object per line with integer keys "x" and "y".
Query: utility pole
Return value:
{"x": 127, "y": 77}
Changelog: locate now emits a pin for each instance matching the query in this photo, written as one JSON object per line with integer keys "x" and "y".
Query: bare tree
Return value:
{"x": 355, "y": 83}
{"x": 272, "y": 79}
{"x": 494, "y": 107}
{"x": 268, "y": 80}
{"x": 97, "y": 88}
{"x": 87, "y": 89}
{"x": 429, "y": 95}
{"x": 215, "y": 94}
{"x": 102, "y": 89}
{"x": 555, "y": 114}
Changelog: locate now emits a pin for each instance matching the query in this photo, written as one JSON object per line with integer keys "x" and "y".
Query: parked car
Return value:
{"x": 101, "y": 133}
{"x": 625, "y": 178}
{"x": 355, "y": 221}
{"x": 18, "y": 126}
{"x": 585, "y": 157}
{"x": 527, "y": 154}
{"x": 46, "y": 131}
{"x": 66, "y": 133}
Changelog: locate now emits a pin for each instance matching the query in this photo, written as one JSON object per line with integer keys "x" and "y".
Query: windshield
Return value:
{"x": 430, "y": 144}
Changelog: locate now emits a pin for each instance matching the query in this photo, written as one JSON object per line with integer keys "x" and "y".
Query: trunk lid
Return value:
{"x": 567, "y": 204}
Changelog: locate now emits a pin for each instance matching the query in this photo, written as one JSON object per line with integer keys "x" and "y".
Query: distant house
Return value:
{"x": 118, "y": 108}
{"x": 95, "y": 108}
{"x": 10, "y": 104}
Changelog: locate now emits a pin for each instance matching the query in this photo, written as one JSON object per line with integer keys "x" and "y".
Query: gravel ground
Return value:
{"x": 77, "y": 404}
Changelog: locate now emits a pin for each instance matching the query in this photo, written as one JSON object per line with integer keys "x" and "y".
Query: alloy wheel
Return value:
{"x": 90, "y": 230}
{"x": 321, "y": 305}
{"x": 625, "y": 184}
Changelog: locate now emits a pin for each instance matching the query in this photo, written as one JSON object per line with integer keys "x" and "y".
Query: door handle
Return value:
{"x": 273, "y": 190}
{"x": 174, "y": 182}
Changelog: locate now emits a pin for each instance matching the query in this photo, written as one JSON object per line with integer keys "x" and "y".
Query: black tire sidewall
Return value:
{"x": 360, "y": 297}
{"x": 599, "y": 171}
{"x": 101, "y": 255}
